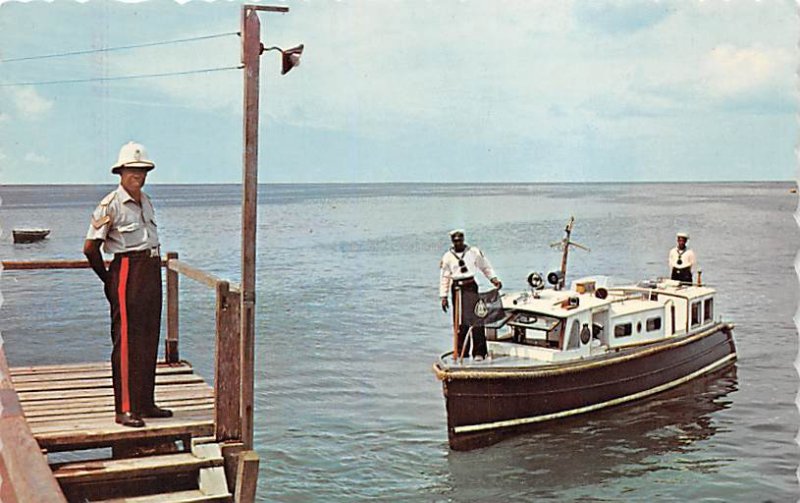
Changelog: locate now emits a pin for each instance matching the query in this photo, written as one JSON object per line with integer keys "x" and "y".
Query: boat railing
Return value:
{"x": 228, "y": 374}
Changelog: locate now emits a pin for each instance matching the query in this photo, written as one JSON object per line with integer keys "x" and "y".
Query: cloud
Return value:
{"x": 36, "y": 158}
{"x": 732, "y": 71}
{"x": 30, "y": 104}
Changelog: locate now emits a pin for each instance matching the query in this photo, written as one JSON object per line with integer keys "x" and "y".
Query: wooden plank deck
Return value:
{"x": 71, "y": 407}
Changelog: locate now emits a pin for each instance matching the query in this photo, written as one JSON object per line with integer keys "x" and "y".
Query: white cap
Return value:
{"x": 132, "y": 155}
{"x": 682, "y": 235}
{"x": 456, "y": 231}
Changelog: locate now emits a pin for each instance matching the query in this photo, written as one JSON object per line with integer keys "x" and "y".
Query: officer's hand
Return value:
{"x": 445, "y": 304}
{"x": 497, "y": 283}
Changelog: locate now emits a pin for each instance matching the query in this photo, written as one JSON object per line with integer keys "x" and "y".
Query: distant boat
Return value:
{"x": 793, "y": 190}
{"x": 29, "y": 235}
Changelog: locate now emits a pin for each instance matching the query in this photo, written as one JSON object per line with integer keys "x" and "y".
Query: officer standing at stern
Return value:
{"x": 458, "y": 268}
{"x": 682, "y": 260}
{"x": 125, "y": 225}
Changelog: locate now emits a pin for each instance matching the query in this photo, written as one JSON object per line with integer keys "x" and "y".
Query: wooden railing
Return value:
{"x": 227, "y": 366}
{"x": 23, "y": 462}
{"x": 25, "y": 475}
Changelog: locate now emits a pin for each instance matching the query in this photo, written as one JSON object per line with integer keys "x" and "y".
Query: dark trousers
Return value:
{"x": 683, "y": 275}
{"x": 469, "y": 298}
{"x": 133, "y": 291}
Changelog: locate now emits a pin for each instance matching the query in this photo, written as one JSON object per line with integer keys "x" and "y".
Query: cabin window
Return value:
{"x": 623, "y": 330}
{"x": 708, "y": 310}
{"x": 654, "y": 324}
{"x": 695, "y": 313}
{"x": 574, "y": 336}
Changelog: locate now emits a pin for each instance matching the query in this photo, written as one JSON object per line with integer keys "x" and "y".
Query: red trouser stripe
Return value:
{"x": 123, "y": 357}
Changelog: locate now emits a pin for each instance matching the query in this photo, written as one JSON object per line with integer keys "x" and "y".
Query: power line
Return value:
{"x": 119, "y": 48}
{"x": 123, "y": 77}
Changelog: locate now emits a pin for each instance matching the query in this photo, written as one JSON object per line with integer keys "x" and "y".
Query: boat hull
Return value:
{"x": 485, "y": 405}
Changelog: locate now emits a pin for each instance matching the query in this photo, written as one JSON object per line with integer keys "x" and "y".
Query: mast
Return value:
{"x": 564, "y": 245}
{"x": 565, "y": 253}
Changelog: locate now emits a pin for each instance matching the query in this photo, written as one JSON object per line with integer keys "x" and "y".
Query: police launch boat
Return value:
{"x": 558, "y": 352}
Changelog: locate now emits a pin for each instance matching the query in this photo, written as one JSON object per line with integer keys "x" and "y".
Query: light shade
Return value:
{"x": 291, "y": 58}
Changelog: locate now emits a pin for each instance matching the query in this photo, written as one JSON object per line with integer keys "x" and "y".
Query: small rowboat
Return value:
{"x": 29, "y": 235}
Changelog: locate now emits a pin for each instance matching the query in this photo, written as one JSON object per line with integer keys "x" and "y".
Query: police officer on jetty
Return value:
{"x": 125, "y": 225}
{"x": 458, "y": 268}
{"x": 682, "y": 260}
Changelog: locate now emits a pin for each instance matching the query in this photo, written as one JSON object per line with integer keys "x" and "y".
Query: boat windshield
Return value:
{"x": 536, "y": 329}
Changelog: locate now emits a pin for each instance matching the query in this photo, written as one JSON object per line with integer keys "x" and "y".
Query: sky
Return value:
{"x": 408, "y": 91}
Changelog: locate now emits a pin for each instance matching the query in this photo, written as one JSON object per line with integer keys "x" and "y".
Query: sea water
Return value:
{"x": 349, "y": 323}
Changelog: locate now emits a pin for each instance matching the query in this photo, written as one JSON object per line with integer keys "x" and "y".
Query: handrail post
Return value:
{"x": 227, "y": 369}
{"x": 171, "y": 353}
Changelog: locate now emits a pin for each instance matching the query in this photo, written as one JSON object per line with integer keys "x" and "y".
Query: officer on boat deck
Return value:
{"x": 682, "y": 260}
{"x": 125, "y": 225}
{"x": 458, "y": 268}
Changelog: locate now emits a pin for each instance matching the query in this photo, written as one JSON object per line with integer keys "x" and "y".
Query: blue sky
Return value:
{"x": 410, "y": 90}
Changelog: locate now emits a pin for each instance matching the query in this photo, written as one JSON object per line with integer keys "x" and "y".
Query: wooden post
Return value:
{"x": 246, "y": 478}
{"x": 171, "y": 353}
{"x": 251, "y": 52}
{"x": 227, "y": 372}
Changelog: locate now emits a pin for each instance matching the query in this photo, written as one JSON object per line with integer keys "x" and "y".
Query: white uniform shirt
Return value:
{"x": 123, "y": 224}
{"x": 450, "y": 269}
{"x": 687, "y": 257}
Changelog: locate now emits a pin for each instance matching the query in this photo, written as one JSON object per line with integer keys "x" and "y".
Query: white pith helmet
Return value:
{"x": 132, "y": 155}
{"x": 682, "y": 235}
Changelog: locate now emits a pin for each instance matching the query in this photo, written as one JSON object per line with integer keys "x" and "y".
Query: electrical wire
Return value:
{"x": 123, "y": 77}
{"x": 119, "y": 48}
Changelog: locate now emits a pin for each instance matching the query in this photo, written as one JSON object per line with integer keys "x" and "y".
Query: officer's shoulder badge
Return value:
{"x": 97, "y": 223}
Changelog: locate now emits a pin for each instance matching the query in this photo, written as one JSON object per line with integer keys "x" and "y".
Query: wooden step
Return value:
{"x": 195, "y": 496}
{"x": 91, "y": 480}
{"x": 114, "y": 469}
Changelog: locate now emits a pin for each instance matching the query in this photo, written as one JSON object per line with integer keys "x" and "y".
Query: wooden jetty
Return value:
{"x": 197, "y": 455}
{"x": 202, "y": 453}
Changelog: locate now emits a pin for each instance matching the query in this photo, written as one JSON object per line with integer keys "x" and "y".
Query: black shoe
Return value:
{"x": 156, "y": 411}
{"x": 129, "y": 419}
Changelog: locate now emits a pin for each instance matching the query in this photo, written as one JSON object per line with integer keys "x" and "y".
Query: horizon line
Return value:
{"x": 647, "y": 182}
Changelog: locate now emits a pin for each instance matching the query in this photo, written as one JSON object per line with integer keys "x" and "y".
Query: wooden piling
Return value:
{"x": 251, "y": 55}
{"x": 227, "y": 370}
{"x": 171, "y": 353}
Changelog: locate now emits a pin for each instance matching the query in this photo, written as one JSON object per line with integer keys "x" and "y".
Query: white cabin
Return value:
{"x": 550, "y": 326}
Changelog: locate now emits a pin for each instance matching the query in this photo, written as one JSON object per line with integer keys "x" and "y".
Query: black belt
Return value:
{"x": 464, "y": 281}
{"x": 149, "y": 253}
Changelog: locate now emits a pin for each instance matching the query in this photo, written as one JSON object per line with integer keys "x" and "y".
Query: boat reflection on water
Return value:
{"x": 590, "y": 449}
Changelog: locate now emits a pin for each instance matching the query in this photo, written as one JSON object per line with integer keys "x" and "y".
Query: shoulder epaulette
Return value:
{"x": 110, "y": 197}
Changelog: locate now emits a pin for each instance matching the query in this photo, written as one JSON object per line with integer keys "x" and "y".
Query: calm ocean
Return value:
{"x": 349, "y": 324}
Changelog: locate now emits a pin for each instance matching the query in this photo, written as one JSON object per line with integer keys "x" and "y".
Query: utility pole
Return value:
{"x": 251, "y": 55}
